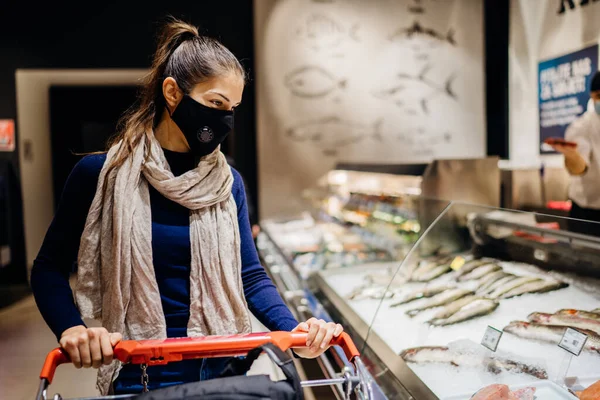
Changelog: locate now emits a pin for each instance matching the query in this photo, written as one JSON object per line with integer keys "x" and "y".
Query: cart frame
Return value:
{"x": 161, "y": 352}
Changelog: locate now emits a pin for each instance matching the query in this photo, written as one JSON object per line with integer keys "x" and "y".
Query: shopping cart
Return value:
{"x": 355, "y": 379}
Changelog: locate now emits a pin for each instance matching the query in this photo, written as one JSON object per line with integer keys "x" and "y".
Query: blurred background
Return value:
{"x": 443, "y": 86}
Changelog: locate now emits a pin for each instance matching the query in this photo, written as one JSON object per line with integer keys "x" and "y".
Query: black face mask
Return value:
{"x": 205, "y": 128}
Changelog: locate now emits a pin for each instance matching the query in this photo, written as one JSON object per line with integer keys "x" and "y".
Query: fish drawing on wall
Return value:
{"x": 418, "y": 31}
{"x": 312, "y": 81}
{"x": 330, "y": 134}
{"x": 423, "y": 138}
{"x": 416, "y": 7}
{"x": 323, "y": 32}
{"x": 420, "y": 87}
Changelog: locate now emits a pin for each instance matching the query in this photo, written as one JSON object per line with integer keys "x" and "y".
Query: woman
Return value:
{"x": 159, "y": 228}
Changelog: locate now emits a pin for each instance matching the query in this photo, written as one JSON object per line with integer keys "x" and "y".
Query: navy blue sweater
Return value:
{"x": 171, "y": 254}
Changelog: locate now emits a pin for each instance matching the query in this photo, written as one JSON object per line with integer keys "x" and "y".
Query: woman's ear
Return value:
{"x": 172, "y": 93}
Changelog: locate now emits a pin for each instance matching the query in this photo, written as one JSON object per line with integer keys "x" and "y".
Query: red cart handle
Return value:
{"x": 160, "y": 352}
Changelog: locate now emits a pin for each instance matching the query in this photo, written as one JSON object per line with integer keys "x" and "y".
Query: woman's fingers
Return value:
{"x": 94, "y": 346}
{"x": 330, "y": 329}
{"x": 316, "y": 343}
{"x": 84, "y": 351}
{"x": 338, "y": 330}
{"x": 71, "y": 345}
{"x": 312, "y": 331}
{"x": 115, "y": 337}
{"x": 107, "y": 348}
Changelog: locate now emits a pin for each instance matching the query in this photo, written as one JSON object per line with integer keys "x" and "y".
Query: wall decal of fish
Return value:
{"x": 419, "y": 86}
{"x": 416, "y": 30}
{"x": 323, "y": 32}
{"x": 312, "y": 82}
{"x": 332, "y": 133}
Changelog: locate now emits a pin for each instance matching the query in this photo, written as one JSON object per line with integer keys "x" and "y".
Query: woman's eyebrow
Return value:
{"x": 223, "y": 96}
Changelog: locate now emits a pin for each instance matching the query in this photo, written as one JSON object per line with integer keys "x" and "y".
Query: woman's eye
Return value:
{"x": 217, "y": 103}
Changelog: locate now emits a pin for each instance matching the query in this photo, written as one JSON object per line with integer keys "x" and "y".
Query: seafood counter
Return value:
{"x": 434, "y": 312}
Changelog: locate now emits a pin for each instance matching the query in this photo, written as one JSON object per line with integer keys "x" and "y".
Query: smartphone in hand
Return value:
{"x": 556, "y": 141}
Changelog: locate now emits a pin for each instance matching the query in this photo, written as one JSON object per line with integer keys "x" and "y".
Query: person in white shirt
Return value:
{"x": 583, "y": 164}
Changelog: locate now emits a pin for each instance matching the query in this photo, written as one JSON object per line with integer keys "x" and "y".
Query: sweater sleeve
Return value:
{"x": 261, "y": 294}
{"x": 58, "y": 254}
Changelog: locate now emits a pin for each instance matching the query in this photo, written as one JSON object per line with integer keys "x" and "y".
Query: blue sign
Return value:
{"x": 564, "y": 91}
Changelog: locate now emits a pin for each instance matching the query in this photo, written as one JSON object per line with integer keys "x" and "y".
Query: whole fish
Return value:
{"x": 470, "y": 266}
{"x": 370, "y": 293}
{"x": 574, "y": 321}
{"x": 480, "y": 272}
{"x": 488, "y": 280}
{"x": 545, "y": 285}
{"x": 425, "y": 267}
{"x": 434, "y": 273}
{"x": 385, "y": 280}
{"x": 453, "y": 307}
{"x": 434, "y": 354}
{"x": 510, "y": 285}
{"x": 443, "y": 355}
{"x": 427, "y": 291}
{"x": 550, "y": 333}
{"x": 499, "y": 282}
{"x": 439, "y": 300}
{"x": 579, "y": 313}
{"x": 473, "y": 309}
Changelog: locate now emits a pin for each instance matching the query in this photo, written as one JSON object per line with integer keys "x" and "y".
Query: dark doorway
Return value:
{"x": 82, "y": 119}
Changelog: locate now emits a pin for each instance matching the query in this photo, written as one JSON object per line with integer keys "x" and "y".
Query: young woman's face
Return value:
{"x": 222, "y": 92}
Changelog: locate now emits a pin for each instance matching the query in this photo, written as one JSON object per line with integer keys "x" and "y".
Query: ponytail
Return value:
{"x": 187, "y": 57}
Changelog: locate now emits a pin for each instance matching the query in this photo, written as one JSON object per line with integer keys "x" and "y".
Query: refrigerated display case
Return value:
{"x": 420, "y": 318}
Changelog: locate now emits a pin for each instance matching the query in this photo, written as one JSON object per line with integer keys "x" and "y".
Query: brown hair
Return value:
{"x": 189, "y": 58}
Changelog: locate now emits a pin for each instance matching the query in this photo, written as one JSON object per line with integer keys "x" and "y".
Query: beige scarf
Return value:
{"x": 116, "y": 282}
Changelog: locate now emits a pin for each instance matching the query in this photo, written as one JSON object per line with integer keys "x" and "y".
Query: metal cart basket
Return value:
{"x": 355, "y": 380}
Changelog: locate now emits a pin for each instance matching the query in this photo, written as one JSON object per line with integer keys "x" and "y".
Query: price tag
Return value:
{"x": 540, "y": 255}
{"x": 491, "y": 338}
{"x": 573, "y": 341}
{"x": 457, "y": 263}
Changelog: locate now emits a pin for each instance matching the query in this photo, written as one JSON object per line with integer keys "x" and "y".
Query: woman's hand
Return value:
{"x": 320, "y": 334}
{"x": 89, "y": 347}
{"x": 566, "y": 150}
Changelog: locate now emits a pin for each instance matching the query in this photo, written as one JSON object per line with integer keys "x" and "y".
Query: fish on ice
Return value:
{"x": 498, "y": 283}
{"x": 579, "y": 313}
{"x": 480, "y": 272}
{"x": 550, "y": 333}
{"x": 475, "y": 308}
{"x": 470, "y": 266}
{"x": 574, "y": 320}
{"x": 541, "y": 286}
{"x": 429, "y": 291}
{"x": 452, "y": 308}
{"x": 437, "y": 300}
{"x": 433, "y": 273}
{"x": 488, "y": 280}
{"x": 443, "y": 355}
{"x": 510, "y": 285}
